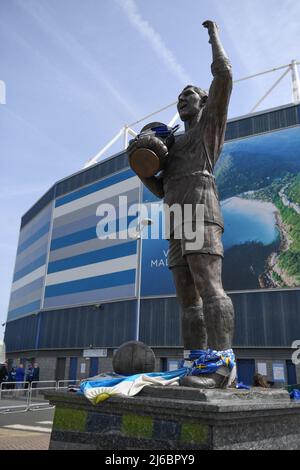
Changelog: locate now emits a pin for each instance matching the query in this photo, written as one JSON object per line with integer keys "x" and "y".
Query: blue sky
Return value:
{"x": 77, "y": 70}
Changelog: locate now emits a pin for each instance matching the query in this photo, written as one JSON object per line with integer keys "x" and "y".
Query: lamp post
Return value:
{"x": 138, "y": 235}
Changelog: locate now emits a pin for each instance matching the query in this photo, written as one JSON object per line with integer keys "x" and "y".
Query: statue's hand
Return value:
{"x": 210, "y": 25}
{"x": 132, "y": 146}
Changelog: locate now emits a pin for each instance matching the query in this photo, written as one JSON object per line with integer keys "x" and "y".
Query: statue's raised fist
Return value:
{"x": 210, "y": 25}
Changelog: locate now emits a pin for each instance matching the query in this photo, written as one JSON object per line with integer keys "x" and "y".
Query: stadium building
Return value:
{"x": 75, "y": 298}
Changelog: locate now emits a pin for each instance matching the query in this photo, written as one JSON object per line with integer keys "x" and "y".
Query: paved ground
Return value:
{"x": 26, "y": 431}
{"x": 21, "y": 440}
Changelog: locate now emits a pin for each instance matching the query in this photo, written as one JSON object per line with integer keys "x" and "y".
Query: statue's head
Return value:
{"x": 190, "y": 102}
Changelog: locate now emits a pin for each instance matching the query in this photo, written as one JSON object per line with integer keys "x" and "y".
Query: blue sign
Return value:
{"x": 156, "y": 277}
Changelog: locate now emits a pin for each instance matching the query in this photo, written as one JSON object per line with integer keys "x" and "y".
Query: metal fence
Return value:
{"x": 20, "y": 397}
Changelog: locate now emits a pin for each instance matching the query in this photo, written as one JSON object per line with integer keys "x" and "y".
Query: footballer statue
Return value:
{"x": 186, "y": 177}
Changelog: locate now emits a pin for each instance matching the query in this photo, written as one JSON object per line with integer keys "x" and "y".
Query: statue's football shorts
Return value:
{"x": 212, "y": 245}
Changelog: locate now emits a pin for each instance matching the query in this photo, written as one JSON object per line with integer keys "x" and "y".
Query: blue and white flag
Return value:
{"x": 200, "y": 362}
{"x": 99, "y": 390}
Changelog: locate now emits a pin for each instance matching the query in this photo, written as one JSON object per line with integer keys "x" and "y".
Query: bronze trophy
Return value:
{"x": 148, "y": 152}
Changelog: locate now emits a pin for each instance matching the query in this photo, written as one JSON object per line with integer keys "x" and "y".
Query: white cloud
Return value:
{"x": 154, "y": 39}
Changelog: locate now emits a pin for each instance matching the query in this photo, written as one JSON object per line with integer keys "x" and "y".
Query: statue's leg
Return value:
{"x": 193, "y": 323}
{"x": 192, "y": 320}
{"x": 219, "y": 316}
{"x": 218, "y": 313}
{"x": 206, "y": 271}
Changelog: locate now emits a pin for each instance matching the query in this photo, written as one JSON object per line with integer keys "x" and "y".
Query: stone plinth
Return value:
{"x": 177, "y": 418}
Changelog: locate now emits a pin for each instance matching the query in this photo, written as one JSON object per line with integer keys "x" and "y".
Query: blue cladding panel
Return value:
{"x": 27, "y": 289}
{"x": 75, "y": 250}
{"x": 20, "y": 335}
{"x": 95, "y": 187}
{"x": 91, "y": 257}
{"x": 25, "y": 309}
{"x": 30, "y": 267}
{"x": 99, "y": 282}
{"x": 114, "y": 323}
{"x": 42, "y": 231}
{"x": 82, "y": 236}
{"x": 82, "y": 266}
{"x": 78, "y": 327}
{"x": 74, "y": 238}
{"x": 262, "y": 319}
{"x": 97, "y": 295}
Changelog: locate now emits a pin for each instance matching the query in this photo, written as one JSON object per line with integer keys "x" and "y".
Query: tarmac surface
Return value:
{"x": 28, "y": 430}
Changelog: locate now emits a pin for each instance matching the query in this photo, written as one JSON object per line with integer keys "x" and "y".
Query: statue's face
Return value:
{"x": 189, "y": 104}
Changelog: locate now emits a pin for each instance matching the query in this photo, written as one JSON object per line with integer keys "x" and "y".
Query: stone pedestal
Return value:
{"x": 178, "y": 418}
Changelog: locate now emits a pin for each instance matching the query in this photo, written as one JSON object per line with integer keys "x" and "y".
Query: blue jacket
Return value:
{"x": 20, "y": 374}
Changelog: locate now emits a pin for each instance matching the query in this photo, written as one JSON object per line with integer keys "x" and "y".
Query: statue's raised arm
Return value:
{"x": 216, "y": 108}
{"x": 221, "y": 86}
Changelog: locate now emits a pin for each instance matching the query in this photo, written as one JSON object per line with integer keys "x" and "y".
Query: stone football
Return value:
{"x": 133, "y": 357}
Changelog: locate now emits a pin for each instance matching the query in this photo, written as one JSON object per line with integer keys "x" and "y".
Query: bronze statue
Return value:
{"x": 187, "y": 178}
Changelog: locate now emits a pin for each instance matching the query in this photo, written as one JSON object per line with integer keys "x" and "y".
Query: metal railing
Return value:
{"x": 14, "y": 396}
{"x": 17, "y": 397}
{"x": 61, "y": 383}
{"x": 36, "y": 397}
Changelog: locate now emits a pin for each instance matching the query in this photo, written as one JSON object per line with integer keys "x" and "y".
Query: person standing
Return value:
{"x": 36, "y": 374}
{"x": 3, "y": 372}
{"x": 12, "y": 378}
{"x": 20, "y": 376}
{"x": 29, "y": 376}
